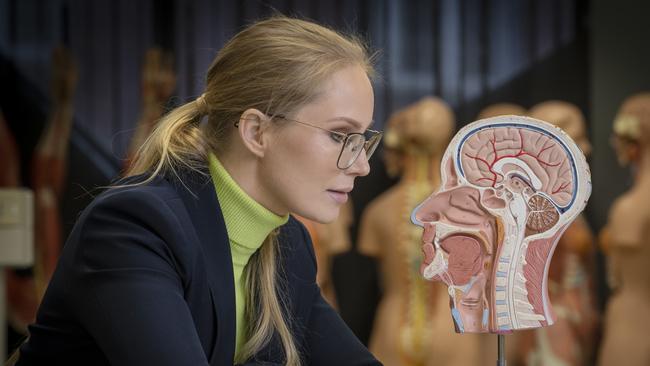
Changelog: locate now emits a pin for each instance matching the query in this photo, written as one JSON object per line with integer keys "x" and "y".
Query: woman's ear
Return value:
{"x": 251, "y": 127}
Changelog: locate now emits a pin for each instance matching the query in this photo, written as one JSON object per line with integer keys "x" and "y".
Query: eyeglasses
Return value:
{"x": 352, "y": 143}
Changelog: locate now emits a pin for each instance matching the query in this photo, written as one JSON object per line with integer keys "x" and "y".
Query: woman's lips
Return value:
{"x": 338, "y": 196}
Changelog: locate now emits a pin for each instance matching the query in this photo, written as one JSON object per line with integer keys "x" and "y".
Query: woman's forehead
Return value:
{"x": 346, "y": 93}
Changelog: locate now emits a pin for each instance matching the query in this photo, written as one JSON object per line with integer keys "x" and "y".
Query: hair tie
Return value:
{"x": 202, "y": 104}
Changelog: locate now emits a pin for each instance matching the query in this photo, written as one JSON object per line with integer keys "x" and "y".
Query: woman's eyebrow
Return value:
{"x": 356, "y": 124}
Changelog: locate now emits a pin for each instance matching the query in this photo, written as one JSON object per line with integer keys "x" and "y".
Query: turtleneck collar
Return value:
{"x": 248, "y": 223}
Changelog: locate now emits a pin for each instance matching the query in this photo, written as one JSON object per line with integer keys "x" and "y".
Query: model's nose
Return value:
{"x": 426, "y": 212}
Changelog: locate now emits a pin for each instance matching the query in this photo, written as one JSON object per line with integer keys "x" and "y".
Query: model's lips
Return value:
{"x": 338, "y": 196}
{"x": 427, "y": 245}
{"x": 429, "y": 253}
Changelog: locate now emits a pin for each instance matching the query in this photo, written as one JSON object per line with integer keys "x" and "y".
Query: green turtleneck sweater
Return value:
{"x": 248, "y": 223}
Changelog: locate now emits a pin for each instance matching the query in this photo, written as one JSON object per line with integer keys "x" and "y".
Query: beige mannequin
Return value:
{"x": 157, "y": 82}
{"x": 412, "y": 324}
{"x": 501, "y": 109}
{"x": 570, "y": 341}
{"x": 48, "y": 173}
{"x": 10, "y": 164}
{"x": 627, "y": 320}
{"x": 329, "y": 240}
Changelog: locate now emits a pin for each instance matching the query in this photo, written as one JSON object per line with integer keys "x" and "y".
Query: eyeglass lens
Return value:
{"x": 352, "y": 149}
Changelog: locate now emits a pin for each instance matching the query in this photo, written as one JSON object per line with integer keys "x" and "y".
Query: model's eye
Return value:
{"x": 337, "y": 136}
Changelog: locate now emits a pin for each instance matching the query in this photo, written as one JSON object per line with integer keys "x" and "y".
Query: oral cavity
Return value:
{"x": 436, "y": 267}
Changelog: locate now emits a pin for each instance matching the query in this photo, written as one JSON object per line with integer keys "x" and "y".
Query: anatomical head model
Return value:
{"x": 510, "y": 187}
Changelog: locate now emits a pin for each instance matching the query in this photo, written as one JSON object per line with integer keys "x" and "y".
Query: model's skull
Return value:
{"x": 510, "y": 187}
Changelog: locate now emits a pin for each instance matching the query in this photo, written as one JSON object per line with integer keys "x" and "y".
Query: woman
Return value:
{"x": 194, "y": 258}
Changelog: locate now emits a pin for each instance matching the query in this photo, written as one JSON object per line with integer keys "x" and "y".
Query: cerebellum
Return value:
{"x": 542, "y": 216}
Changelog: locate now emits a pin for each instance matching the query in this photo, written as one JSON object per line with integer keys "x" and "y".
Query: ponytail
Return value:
{"x": 176, "y": 141}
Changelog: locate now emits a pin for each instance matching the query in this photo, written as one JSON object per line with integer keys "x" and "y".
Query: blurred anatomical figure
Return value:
{"x": 329, "y": 240}
{"x": 158, "y": 81}
{"x": 501, "y": 109}
{"x": 570, "y": 341}
{"x": 48, "y": 174}
{"x": 626, "y": 240}
{"x": 412, "y": 323}
{"x": 10, "y": 162}
{"x": 10, "y": 178}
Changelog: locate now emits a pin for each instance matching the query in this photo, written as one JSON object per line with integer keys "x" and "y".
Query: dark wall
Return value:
{"x": 620, "y": 67}
{"x": 620, "y": 59}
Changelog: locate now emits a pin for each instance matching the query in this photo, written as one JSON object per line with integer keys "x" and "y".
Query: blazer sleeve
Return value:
{"x": 129, "y": 293}
{"x": 329, "y": 340}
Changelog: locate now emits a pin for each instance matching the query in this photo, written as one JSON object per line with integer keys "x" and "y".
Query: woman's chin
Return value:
{"x": 322, "y": 216}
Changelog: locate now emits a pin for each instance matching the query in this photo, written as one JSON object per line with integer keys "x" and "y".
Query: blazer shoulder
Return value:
{"x": 297, "y": 247}
{"x": 295, "y": 234}
{"x": 157, "y": 189}
{"x": 142, "y": 222}
{"x": 149, "y": 205}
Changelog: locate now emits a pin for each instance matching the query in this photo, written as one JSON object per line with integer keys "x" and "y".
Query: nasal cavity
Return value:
{"x": 491, "y": 200}
{"x": 465, "y": 258}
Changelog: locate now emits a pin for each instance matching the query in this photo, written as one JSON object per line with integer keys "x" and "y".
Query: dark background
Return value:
{"x": 472, "y": 53}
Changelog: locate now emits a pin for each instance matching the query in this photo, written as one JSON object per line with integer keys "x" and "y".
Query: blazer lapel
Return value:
{"x": 198, "y": 193}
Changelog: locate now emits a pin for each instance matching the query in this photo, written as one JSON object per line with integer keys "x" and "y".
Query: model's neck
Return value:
{"x": 422, "y": 168}
{"x": 643, "y": 167}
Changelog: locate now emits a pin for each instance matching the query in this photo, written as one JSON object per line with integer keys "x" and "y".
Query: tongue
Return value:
{"x": 464, "y": 258}
{"x": 436, "y": 268}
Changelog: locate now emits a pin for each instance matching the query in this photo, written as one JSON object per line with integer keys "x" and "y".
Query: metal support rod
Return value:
{"x": 501, "y": 344}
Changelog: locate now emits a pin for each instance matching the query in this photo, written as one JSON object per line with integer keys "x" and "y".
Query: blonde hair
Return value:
{"x": 633, "y": 118}
{"x": 276, "y": 66}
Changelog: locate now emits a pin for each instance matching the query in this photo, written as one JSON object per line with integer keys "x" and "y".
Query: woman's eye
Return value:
{"x": 338, "y": 137}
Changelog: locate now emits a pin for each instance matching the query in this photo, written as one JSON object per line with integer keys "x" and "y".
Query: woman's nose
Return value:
{"x": 361, "y": 166}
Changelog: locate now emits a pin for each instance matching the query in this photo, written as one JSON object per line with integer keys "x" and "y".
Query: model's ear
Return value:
{"x": 251, "y": 126}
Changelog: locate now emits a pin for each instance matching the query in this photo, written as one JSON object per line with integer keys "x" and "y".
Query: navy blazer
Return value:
{"x": 146, "y": 278}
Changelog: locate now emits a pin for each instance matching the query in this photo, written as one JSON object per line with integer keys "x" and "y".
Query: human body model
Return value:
{"x": 627, "y": 245}
{"x": 10, "y": 168}
{"x": 510, "y": 187}
{"x": 501, "y": 109}
{"x": 411, "y": 324}
{"x": 20, "y": 291}
{"x": 48, "y": 173}
{"x": 329, "y": 240}
{"x": 157, "y": 84}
